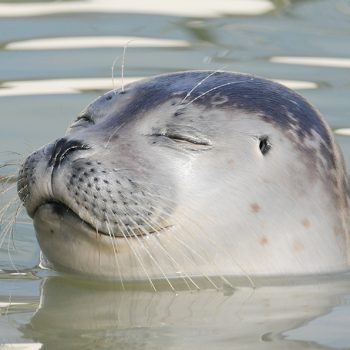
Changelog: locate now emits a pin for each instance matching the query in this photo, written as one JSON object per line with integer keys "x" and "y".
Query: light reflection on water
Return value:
{"x": 94, "y": 42}
{"x": 314, "y": 61}
{"x": 69, "y": 86}
{"x": 56, "y": 57}
{"x": 194, "y": 8}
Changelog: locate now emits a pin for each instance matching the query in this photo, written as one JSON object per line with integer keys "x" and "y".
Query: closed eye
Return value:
{"x": 185, "y": 138}
{"x": 188, "y": 138}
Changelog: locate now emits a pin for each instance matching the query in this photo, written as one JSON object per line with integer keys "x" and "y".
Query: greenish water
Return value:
{"x": 43, "y": 86}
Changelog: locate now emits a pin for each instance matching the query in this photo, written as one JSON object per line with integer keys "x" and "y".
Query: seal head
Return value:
{"x": 191, "y": 173}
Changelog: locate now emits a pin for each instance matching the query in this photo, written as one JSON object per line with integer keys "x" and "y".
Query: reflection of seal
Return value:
{"x": 189, "y": 174}
{"x": 162, "y": 317}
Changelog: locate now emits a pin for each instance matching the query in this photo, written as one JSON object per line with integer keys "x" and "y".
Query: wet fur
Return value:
{"x": 135, "y": 200}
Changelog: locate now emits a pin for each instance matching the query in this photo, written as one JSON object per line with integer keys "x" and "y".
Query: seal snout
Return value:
{"x": 36, "y": 177}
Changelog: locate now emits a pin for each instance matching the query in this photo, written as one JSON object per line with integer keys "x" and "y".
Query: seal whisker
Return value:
{"x": 97, "y": 236}
{"x": 7, "y": 189}
{"x": 10, "y": 203}
{"x": 7, "y": 179}
{"x": 112, "y": 134}
{"x": 112, "y": 68}
{"x": 196, "y": 253}
{"x": 114, "y": 243}
{"x": 173, "y": 260}
{"x": 193, "y": 251}
{"x": 153, "y": 184}
{"x": 200, "y": 83}
{"x": 138, "y": 258}
{"x": 8, "y": 230}
{"x": 23, "y": 190}
{"x": 10, "y": 256}
{"x": 208, "y": 218}
{"x": 212, "y": 89}
{"x": 10, "y": 164}
{"x": 235, "y": 262}
{"x": 11, "y": 233}
{"x": 123, "y": 61}
{"x": 147, "y": 251}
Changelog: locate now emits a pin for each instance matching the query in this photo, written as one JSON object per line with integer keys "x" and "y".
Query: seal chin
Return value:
{"x": 49, "y": 213}
{"x": 69, "y": 243}
{"x": 52, "y": 217}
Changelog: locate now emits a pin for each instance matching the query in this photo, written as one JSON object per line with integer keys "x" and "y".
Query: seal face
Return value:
{"x": 191, "y": 173}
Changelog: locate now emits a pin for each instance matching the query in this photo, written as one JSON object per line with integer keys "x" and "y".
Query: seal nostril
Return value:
{"x": 62, "y": 148}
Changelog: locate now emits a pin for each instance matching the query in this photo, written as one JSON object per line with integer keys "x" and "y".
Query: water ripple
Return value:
{"x": 94, "y": 42}
{"x": 71, "y": 86}
{"x": 314, "y": 61}
{"x": 194, "y": 8}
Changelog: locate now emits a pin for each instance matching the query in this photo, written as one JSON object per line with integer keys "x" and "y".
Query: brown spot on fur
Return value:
{"x": 298, "y": 247}
{"x": 255, "y": 207}
{"x": 306, "y": 223}
{"x": 263, "y": 241}
{"x": 231, "y": 163}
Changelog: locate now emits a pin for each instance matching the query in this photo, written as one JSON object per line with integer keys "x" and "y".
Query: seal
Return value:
{"x": 188, "y": 174}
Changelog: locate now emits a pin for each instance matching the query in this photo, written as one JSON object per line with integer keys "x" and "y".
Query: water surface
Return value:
{"x": 56, "y": 56}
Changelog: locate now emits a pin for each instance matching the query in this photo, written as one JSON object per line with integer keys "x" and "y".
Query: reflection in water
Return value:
{"x": 344, "y": 131}
{"x": 95, "y": 316}
{"x": 8, "y": 304}
{"x": 194, "y": 8}
{"x": 94, "y": 42}
{"x": 71, "y": 86}
{"x": 77, "y": 315}
{"x": 330, "y": 330}
{"x": 58, "y": 86}
{"x": 22, "y": 346}
{"x": 314, "y": 61}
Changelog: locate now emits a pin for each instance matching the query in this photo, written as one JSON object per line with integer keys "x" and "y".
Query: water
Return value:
{"x": 45, "y": 83}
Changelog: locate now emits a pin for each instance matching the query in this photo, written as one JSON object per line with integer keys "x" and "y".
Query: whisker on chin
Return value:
{"x": 150, "y": 255}
{"x": 138, "y": 258}
{"x": 184, "y": 276}
{"x": 114, "y": 245}
{"x": 156, "y": 228}
{"x": 205, "y": 217}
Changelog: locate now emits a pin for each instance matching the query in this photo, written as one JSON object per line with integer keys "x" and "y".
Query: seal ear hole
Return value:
{"x": 264, "y": 145}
